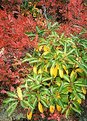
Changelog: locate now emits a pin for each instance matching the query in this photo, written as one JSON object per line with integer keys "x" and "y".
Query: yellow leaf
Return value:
{"x": 19, "y": 92}
{"x": 58, "y": 108}
{"x": 40, "y": 107}
{"x": 84, "y": 90}
{"x": 52, "y": 109}
{"x": 39, "y": 71}
{"x": 67, "y": 72}
{"x": 58, "y": 47}
{"x": 53, "y": 71}
{"x": 64, "y": 67}
{"x": 55, "y": 56}
{"x": 45, "y": 68}
{"x": 57, "y": 66}
{"x": 29, "y": 115}
{"x": 57, "y": 95}
{"x": 79, "y": 101}
{"x": 61, "y": 73}
{"x": 73, "y": 73}
{"x": 69, "y": 89}
{"x": 74, "y": 46}
{"x": 45, "y": 53}
{"x": 40, "y": 48}
{"x": 79, "y": 70}
{"x": 40, "y": 59}
{"x": 37, "y": 50}
{"x": 46, "y": 61}
{"x": 46, "y": 49}
{"x": 35, "y": 69}
{"x": 76, "y": 66}
{"x": 58, "y": 83}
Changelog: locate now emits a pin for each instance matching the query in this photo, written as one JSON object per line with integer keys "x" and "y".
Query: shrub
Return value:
{"x": 57, "y": 78}
{"x": 13, "y": 45}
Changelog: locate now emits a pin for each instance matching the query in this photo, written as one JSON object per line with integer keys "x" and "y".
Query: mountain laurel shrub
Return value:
{"x": 57, "y": 79}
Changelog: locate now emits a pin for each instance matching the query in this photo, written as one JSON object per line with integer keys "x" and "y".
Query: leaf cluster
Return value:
{"x": 58, "y": 78}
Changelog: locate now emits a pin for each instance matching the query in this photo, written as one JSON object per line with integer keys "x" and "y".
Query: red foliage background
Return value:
{"x": 13, "y": 45}
{"x": 71, "y": 14}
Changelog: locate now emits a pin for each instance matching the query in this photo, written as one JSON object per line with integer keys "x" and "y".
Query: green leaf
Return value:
{"x": 30, "y": 34}
{"x": 49, "y": 25}
{"x": 67, "y": 113}
{"x": 36, "y": 87}
{"x": 76, "y": 109}
{"x": 75, "y": 92}
{"x": 82, "y": 67}
{"x": 37, "y": 29}
{"x": 47, "y": 79}
{"x": 65, "y": 47}
{"x": 48, "y": 56}
{"x": 28, "y": 55}
{"x": 45, "y": 91}
{"x": 8, "y": 100}
{"x": 61, "y": 103}
{"x": 34, "y": 61}
{"x": 81, "y": 85}
{"x": 44, "y": 103}
{"x": 11, "y": 94}
{"x": 26, "y": 104}
{"x": 66, "y": 77}
{"x": 55, "y": 24}
{"x": 71, "y": 52}
{"x": 35, "y": 103}
{"x": 64, "y": 98}
{"x": 11, "y": 108}
{"x": 28, "y": 59}
{"x": 64, "y": 109}
{"x": 30, "y": 77}
{"x": 82, "y": 96}
{"x": 75, "y": 104}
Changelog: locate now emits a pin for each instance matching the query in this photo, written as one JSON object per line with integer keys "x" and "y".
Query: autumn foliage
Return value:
{"x": 14, "y": 43}
{"x": 70, "y": 13}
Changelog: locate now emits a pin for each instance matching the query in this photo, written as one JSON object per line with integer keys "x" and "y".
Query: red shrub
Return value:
{"x": 71, "y": 15}
{"x": 75, "y": 13}
{"x": 13, "y": 44}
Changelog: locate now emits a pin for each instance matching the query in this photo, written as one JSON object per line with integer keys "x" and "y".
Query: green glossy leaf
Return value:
{"x": 67, "y": 113}
{"x": 44, "y": 103}
{"x": 34, "y": 61}
{"x": 30, "y": 34}
{"x": 66, "y": 77}
{"x": 11, "y": 94}
{"x": 8, "y": 100}
{"x": 76, "y": 109}
{"x": 81, "y": 85}
{"x": 76, "y": 105}
{"x": 26, "y": 104}
{"x": 35, "y": 103}
{"x": 82, "y": 96}
{"x": 36, "y": 87}
{"x": 47, "y": 79}
{"x": 11, "y": 108}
